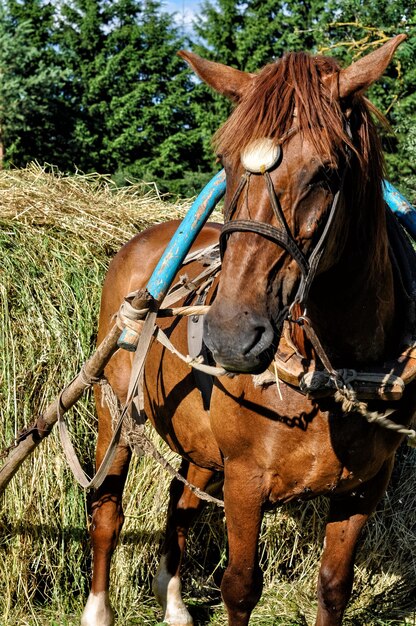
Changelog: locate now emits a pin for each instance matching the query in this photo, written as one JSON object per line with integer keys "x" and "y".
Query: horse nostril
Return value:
{"x": 239, "y": 342}
{"x": 258, "y": 333}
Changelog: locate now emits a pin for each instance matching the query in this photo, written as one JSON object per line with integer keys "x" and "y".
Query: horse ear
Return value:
{"x": 225, "y": 80}
{"x": 361, "y": 74}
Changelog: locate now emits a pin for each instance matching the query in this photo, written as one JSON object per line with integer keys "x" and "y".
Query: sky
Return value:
{"x": 185, "y": 9}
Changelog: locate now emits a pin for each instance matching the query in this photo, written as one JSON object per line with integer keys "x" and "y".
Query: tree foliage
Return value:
{"x": 33, "y": 114}
{"x": 356, "y": 28}
{"x": 247, "y": 35}
{"x": 149, "y": 132}
{"x": 97, "y": 84}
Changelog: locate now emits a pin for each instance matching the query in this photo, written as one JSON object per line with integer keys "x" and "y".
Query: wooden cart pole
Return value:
{"x": 92, "y": 369}
{"x": 70, "y": 395}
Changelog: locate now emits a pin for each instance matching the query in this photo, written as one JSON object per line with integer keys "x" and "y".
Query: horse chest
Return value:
{"x": 297, "y": 448}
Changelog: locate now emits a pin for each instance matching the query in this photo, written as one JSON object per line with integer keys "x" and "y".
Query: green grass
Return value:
{"x": 56, "y": 237}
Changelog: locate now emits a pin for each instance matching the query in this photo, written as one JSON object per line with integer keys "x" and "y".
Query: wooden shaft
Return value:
{"x": 93, "y": 368}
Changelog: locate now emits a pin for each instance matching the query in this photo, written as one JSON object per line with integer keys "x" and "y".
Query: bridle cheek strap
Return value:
{"x": 317, "y": 252}
{"x": 281, "y": 236}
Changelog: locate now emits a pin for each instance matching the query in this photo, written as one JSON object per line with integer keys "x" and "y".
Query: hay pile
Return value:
{"x": 56, "y": 236}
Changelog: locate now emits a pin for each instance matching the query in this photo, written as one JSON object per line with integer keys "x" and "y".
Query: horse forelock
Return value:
{"x": 293, "y": 83}
{"x": 293, "y": 92}
{"x": 294, "y": 86}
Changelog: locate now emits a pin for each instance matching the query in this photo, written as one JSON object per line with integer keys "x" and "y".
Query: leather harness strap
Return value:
{"x": 281, "y": 237}
{"x": 284, "y": 238}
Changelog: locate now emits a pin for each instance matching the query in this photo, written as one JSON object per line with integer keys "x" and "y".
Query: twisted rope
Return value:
{"x": 133, "y": 319}
{"x": 140, "y": 443}
{"x": 347, "y": 397}
{"x": 345, "y": 394}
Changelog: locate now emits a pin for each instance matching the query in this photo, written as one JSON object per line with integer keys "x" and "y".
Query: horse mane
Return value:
{"x": 293, "y": 92}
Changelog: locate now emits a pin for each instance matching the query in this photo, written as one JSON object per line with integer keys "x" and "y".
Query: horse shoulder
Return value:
{"x": 132, "y": 266}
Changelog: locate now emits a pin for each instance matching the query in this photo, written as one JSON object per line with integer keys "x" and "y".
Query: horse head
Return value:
{"x": 297, "y": 142}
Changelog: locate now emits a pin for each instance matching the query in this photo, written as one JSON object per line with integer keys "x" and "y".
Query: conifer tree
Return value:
{"x": 97, "y": 84}
{"x": 150, "y": 128}
{"x": 353, "y": 28}
{"x": 248, "y": 35}
{"x": 217, "y": 28}
{"x": 81, "y": 36}
{"x": 34, "y": 116}
{"x": 272, "y": 28}
{"x": 131, "y": 91}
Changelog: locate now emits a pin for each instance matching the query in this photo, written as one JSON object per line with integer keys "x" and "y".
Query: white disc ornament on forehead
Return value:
{"x": 260, "y": 155}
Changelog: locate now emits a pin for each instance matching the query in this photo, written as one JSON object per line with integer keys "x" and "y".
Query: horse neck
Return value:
{"x": 352, "y": 304}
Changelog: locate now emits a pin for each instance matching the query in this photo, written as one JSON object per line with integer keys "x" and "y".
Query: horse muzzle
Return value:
{"x": 241, "y": 341}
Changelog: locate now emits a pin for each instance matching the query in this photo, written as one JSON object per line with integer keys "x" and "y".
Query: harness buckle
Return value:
{"x": 301, "y": 319}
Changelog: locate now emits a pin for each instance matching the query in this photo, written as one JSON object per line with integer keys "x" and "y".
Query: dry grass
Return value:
{"x": 88, "y": 206}
{"x": 56, "y": 234}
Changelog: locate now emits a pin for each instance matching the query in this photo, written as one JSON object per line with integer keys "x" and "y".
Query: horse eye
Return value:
{"x": 323, "y": 177}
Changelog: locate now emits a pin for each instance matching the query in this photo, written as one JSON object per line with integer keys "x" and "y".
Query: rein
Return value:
{"x": 146, "y": 331}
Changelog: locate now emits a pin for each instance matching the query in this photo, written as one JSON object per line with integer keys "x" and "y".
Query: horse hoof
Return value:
{"x": 178, "y": 620}
{"x": 98, "y": 611}
{"x": 167, "y": 589}
{"x": 176, "y": 614}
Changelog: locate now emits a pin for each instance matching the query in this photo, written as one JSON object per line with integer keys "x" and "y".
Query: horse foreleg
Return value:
{"x": 242, "y": 582}
{"x": 346, "y": 520}
{"x": 183, "y": 507}
{"x": 107, "y": 521}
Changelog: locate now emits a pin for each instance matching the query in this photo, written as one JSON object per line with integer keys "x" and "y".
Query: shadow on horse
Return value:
{"x": 305, "y": 243}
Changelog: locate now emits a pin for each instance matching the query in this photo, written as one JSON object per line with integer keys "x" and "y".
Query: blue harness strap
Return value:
{"x": 405, "y": 212}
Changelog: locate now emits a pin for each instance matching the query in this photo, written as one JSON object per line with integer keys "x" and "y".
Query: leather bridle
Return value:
{"x": 281, "y": 236}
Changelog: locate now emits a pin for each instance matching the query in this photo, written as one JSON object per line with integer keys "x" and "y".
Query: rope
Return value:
{"x": 140, "y": 443}
{"x": 146, "y": 330}
{"x": 185, "y": 311}
{"x": 87, "y": 379}
{"x": 129, "y": 316}
{"x": 109, "y": 398}
{"x": 195, "y": 362}
{"x": 347, "y": 397}
{"x": 345, "y": 394}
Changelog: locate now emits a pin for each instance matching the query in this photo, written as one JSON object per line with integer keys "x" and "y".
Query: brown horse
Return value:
{"x": 308, "y": 229}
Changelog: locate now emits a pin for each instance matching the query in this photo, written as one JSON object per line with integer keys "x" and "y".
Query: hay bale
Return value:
{"x": 57, "y": 234}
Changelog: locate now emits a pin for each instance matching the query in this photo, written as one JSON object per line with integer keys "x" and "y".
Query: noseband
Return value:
{"x": 273, "y": 154}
